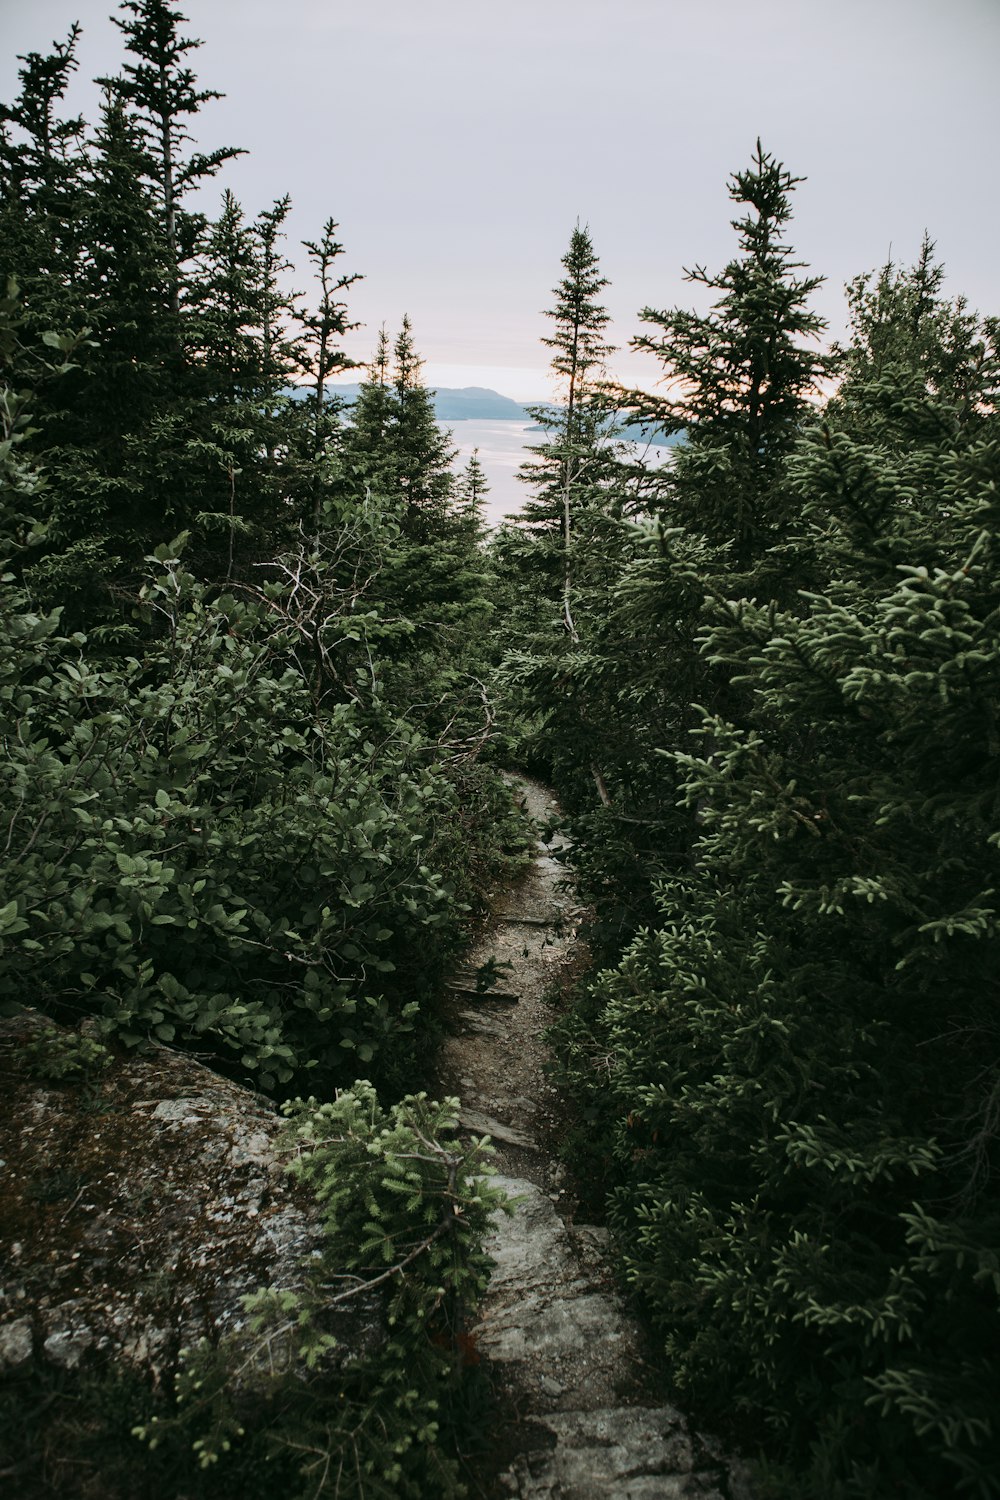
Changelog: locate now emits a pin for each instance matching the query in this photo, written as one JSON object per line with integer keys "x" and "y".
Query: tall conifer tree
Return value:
{"x": 567, "y": 470}
{"x": 470, "y": 493}
{"x": 739, "y": 378}
{"x": 394, "y": 447}
{"x": 323, "y": 326}
{"x": 803, "y": 1104}
{"x": 41, "y": 164}
{"x": 162, "y": 89}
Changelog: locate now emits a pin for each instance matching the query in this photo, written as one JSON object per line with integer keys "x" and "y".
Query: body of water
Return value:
{"x": 501, "y": 452}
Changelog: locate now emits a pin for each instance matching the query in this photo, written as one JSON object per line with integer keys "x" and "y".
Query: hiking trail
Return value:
{"x": 583, "y": 1418}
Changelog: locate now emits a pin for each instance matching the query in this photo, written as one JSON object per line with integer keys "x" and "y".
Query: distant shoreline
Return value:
{"x": 475, "y": 403}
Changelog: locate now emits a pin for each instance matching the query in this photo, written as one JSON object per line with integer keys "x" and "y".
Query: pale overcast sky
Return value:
{"x": 457, "y": 142}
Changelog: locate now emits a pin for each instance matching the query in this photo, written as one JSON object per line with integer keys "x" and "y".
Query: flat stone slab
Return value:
{"x": 548, "y": 1322}
{"x": 619, "y": 1453}
{"x": 480, "y": 1124}
{"x": 482, "y": 1025}
{"x": 514, "y": 919}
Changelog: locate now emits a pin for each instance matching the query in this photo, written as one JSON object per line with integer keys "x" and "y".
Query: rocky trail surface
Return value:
{"x": 583, "y": 1420}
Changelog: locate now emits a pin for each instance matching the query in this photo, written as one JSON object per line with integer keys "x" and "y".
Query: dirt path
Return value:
{"x": 495, "y": 1058}
{"x": 583, "y": 1421}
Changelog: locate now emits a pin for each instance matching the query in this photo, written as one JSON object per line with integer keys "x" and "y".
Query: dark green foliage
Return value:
{"x": 320, "y": 356}
{"x": 229, "y": 837}
{"x": 162, "y": 90}
{"x": 404, "y": 1218}
{"x": 244, "y": 813}
{"x": 56, "y": 1054}
{"x": 243, "y": 809}
{"x": 395, "y": 452}
{"x": 176, "y": 417}
{"x": 23, "y": 485}
{"x": 40, "y": 192}
{"x": 557, "y": 561}
{"x": 659, "y": 542}
{"x": 233, "y": 428}
{"x": 470, "y": 494}
{"x": 348, "y": 1385}
{"x": 204, "y": 850}
{"x": 654, "y": 545}
{"x": 742, "y": 376}
{"x": 101, "y": 507}
{"x": 432, "y": 583}
{"x": 551, "y": 545}
{"x": 235, "y": 839}
{"x": 793, "y": 1071}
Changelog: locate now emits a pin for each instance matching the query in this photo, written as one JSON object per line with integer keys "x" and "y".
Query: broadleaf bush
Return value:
{"x": 201, "y": 853}
{"x": 405, "y": 1208}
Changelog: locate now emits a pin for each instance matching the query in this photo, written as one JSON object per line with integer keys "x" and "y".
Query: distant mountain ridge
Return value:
{"x": 468, "y": 403}
{"x": 476, "y": 403}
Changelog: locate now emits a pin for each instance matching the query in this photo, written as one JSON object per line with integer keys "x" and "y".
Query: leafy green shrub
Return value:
{"x": 404, "y": 1216}
{"x": 205, "y": 851}
{"x": 58, "y": 1055}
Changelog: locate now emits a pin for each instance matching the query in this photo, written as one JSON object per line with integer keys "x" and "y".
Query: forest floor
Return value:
{"x": 579, "y": 1411}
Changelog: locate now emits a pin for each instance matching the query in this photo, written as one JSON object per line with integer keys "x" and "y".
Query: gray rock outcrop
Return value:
{"x": 139, "y": 1208}
{"x": 562, "y": 1344}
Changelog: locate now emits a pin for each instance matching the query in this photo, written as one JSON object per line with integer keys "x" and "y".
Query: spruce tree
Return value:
{"x": 162, "y": 89}
{"x": 739, "y": 381}
{"x": 320, "y": 353}
{"x": 276, "y": 303}
{"x": 41, "y": 162}
{"x": 366, "y": 442}
{"x": 119, "y": 426}
{"x": 422, "y": 453}
{"x": 238, "y": 369}
{"x": 470, "y": 494}
{"x": 740, "y": 378}
{"x": 102, "y": 512}
{"x": 394, "y": 450}
{"x": 397, "y": 465}
{"x": 802, "y": 1111}
{"x": 558, "y": 557}
{"x": 280, "y": 347}
{"x": 568, "y": 469}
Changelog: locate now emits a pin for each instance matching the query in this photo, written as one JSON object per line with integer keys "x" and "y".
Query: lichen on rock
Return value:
{"x": 144, "y": 1202}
